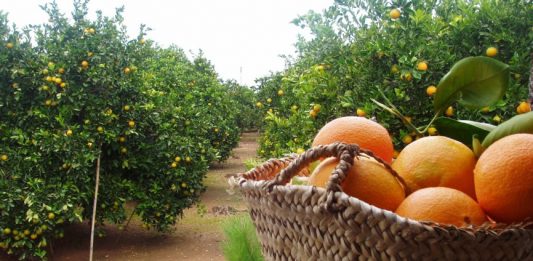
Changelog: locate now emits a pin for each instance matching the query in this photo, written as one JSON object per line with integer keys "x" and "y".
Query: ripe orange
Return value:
{"x": 523, "y": 107}
{"x": 366, "y": 133}
{"x": 437, "y": 161}
{"x": 442, "y": 205}
{"x": 504, "y": 179}
{"x": 449, "y": 111}
{"x": 491, "y": 51}
{"x": 360, "y": 112}
{"x": 422, "y": 66}
{"x": 407, "y": 139}
{"x": 431, "y": 90}
{"x": 367, "y": 180}
{"x": 394, "y": 13}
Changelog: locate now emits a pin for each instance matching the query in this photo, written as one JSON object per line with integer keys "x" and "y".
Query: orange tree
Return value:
{"x": 197, "y": 103}
{"x": 360, "y": 49}
{"x": 75, "y": 90}
{"x": 244, "y": 97}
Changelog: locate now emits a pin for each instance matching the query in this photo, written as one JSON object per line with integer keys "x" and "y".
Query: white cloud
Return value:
{"x": 233, "y": 33}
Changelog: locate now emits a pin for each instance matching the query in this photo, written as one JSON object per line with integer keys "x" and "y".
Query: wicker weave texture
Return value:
{"x": 296, "y": 223}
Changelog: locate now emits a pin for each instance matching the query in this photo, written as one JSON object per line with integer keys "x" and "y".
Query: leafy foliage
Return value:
{"x": 73, "y": 90}
{"x": 358, "y": 52}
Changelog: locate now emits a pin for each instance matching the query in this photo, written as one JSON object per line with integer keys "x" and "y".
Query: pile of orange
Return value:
{"x": 441, "y": 179}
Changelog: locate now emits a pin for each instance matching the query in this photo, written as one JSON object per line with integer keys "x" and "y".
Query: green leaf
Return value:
{"x": 474, "y": 81}
{"x": 518, "y": 124}
{"x": 462, "y": 131}
{"x": 486, "y": 126}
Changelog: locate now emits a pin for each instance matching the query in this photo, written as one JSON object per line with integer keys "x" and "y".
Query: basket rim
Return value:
{"x": 348, "y": 201}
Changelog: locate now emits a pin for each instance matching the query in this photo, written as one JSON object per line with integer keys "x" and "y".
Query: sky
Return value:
{"x": 233, "y": 34}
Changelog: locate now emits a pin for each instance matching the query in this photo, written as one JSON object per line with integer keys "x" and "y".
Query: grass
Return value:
{"x": 241, "y": 242}
{"x": 252, "y": 163}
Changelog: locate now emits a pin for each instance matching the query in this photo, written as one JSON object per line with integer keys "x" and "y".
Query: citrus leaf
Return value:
{"x": 474, "y": 81}
{"x": 486, "y": 126}
{"x": 462, "y": 131}
{"x": 518, "y": 124}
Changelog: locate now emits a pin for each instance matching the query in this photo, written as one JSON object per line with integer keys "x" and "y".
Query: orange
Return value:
{"x": 422, "y": 66}
{"x": 431, "y": 90}
{"x": 504, "y": 179}
{"x": 442, "y": 205}
{"x": 437, "y": 161}
{"x": 394, "y": 13}
{"x": 449, "y": 111}
{"x": 523, "y": 107}
{"x": 357, "y": 130}
{"x": 367, "y": 180}
{"x": 432, "y": 131}
{"x": 491, "y": 51}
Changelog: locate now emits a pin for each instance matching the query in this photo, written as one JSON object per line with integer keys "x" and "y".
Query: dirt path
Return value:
{"x": 197, "y": 237}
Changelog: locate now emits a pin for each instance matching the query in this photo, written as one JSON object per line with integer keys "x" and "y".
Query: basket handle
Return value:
{"x": 342, "y": 151}
{"x": 268, "y": 168}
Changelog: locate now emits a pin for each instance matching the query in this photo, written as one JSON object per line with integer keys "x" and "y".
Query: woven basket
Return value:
{"x": 310, "y": 223}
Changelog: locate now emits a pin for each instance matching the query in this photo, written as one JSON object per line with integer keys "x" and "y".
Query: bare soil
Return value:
{"x": 196, "y": 237}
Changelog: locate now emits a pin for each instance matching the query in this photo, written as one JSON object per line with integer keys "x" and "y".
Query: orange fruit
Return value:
{"x": 431, "y": 90}
{"x": 504, "y": 179}
{"x": 437, "y": 161}
{"x": 523, "y": 107}
{"x": 422, "y": 66}
{"x": 394, "y": 68}
{"x": 360, "y": 112}
{"x": 366, "y": 133}
{"x": 367, "y": 180}
{"x": 491, "y": 51}
{"x": 449, "y": 111}
{"x": 442, "y": 205}
{"x": 394, "y": 13}
{"x": 407, "y": 139}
